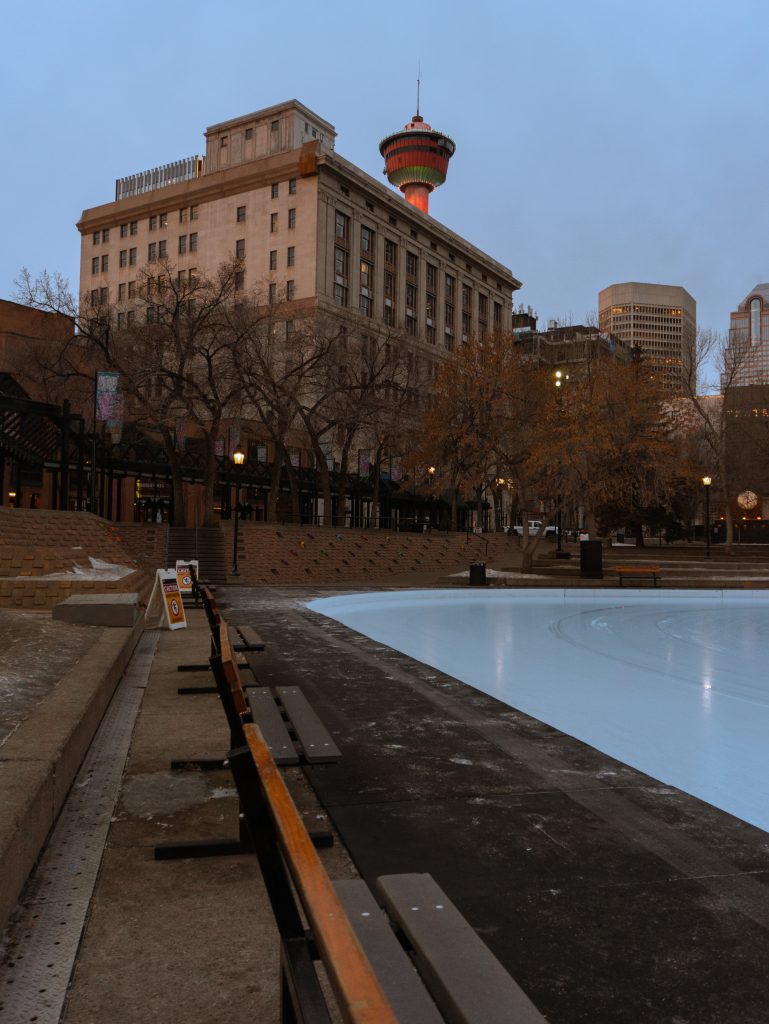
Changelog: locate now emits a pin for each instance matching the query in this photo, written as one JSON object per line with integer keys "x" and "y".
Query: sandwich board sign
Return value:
{"x": 186, "y": 572}
{"x": 165, "y": 608}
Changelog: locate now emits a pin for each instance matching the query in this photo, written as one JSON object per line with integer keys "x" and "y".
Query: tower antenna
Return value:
{"x": 419, "y": 76}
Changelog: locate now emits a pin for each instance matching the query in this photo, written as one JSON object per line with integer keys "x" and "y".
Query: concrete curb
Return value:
{"x": 38, "y": 763}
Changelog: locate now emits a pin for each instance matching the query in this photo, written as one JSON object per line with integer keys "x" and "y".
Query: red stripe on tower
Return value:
{"x": 417, "y": 160}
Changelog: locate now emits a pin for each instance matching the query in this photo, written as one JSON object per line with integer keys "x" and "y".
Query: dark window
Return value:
{"x": 134, "y": 227}
{"x": 341, "y": 262}
{"x": 391, "y": 253}
{"x": 274, "y": 190}
{"x": 340, "y": 295}
{"x": 162, "y": 220}
{"x": 290, "y": 256}
{"x": 96, "y": 237}
{"x": 193, "y": 213}
{"x": 132, "y": 289}
{"x": 152, "y": 252}
{"x": 292, "y": 186}
{"x": 272, "y": 293}
{"x": 124, "y": 257}
{"x": 342, "y": 224}
{"x": 194, "y": 242}
{"x": 105, "y": 235}
{"x": 153, "y": 222}
{"x": 182, "y": 244}
{"x": 162, "y": 250}
{"x": 104, "y": 263}
{"x": 183, "y": 216}
{"x": 240, "y": 214}
{"x": 412, "y": 263}
{"x": 292, "y": 218}
{"x": 124, "y": 231}
{"x": 95, "y": 265}
{"x": 240, "y": 249}
{"x": 289, "y": 290}
{"x": 366, "y": 240}
{"x": 273, "y": 259}
{"x": 249, "y": 133}
{"x": 240, "y": 280}
{"x": 121, "y": 292}
{"x": 273, "y": 222}
{"x": 132, "y": 257}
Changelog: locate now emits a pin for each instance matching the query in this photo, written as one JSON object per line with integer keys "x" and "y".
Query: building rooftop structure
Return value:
{"x": 746, "y": 359}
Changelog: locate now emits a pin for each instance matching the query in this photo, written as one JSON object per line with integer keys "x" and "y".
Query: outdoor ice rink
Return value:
{"x": 673, "y": 684}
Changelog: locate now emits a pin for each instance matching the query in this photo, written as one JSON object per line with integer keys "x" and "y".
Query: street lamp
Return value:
{"x": 706, "y": 482}
{"x": 238, "y": 457}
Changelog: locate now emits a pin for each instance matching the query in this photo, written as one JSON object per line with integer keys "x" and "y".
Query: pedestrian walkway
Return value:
{"x": 608, "y": 896}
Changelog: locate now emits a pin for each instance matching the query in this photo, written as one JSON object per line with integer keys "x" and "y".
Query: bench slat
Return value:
{"x": 407, "y": 995}
{"x": 266, "y": 714}
{"x": 466, "y": 980}
{"x": 317, "y": 744}
{"x": 251, "y": 637}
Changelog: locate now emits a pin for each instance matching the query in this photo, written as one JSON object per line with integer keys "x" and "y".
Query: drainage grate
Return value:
{"x": 42, "y": 941}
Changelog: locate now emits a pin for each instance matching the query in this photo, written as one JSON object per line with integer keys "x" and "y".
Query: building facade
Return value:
{"x": 746, "y": 361}
{"x": 312, "y": 231}
{"x": 661, "y": 321}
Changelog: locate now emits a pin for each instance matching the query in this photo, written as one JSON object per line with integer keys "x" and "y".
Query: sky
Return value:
{"x": 597, "y": 142}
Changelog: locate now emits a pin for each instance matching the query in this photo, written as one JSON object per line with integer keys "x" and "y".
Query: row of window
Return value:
{"x": 158, "y": 220}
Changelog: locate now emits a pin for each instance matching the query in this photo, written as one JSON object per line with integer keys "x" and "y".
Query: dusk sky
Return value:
{"x": 597, "y": 142}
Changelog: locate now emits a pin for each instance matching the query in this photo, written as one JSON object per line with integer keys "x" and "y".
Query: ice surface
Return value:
{"x": 34, "y": 653}
{"x": 673, "y": 684}
{"x": 96, "y": 570}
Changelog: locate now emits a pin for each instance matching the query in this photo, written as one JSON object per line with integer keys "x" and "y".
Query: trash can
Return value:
{"x": 477, "y": 574}
{"x": 591, "y": 560}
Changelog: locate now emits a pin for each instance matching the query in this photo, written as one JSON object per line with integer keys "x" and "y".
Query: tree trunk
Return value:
{"x": 325, "y": 482}
{"x": 374, "y": 520}
{"x": 273, "y": 495}
{"x": 293, "y": 485}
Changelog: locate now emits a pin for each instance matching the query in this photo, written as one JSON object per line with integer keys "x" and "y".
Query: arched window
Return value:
{"x": 755, "y": 321}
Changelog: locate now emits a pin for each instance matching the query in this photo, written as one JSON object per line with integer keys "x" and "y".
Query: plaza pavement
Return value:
{"x": 609, "y": 897}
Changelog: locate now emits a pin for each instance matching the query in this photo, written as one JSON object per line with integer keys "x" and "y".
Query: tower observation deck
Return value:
{"x": 417, "y": 160}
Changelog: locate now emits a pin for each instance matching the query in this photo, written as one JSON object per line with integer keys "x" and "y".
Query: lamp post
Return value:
{"x": 238, "y": 457}
{"x": 706, "y": 482}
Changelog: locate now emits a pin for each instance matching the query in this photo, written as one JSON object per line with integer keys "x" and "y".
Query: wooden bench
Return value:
{"x": 638, "y": 572}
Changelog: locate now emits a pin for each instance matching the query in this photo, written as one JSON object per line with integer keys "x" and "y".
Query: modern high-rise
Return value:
{"x": 661, "y": 321}
{"x": 311, "y": 231}
{"x": 747, "y": 355}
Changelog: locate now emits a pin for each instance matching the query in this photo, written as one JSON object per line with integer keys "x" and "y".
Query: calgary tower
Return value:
{"x": 417, "y": 159}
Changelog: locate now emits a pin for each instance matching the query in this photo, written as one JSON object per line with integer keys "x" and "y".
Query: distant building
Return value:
{"x": 313, "y": 231}
{"x": 747, "y": 354}
{"x": 566, "y": 348}
{"x": 661, "y": 321}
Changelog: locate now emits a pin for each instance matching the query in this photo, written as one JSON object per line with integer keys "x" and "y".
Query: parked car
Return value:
{"x": 534, "y": 525}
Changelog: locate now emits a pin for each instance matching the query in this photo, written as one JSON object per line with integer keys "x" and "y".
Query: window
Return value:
{"x": 94, "y": 296}
{"x": 224, "y": 142}
{"x": 391, "y": 253}
{"x": 249, "y": 134}
{"x": 389, "y": 286}
{"x": 289, "y": 328}
{"x": 430, "y": 333}
{"x": 124, "y": 231}
{"x": 182, "y": 244}
{"x": 130, "y": 316}
{"x": 104, "y": 263}
{"x": 292, "y": 218}
{"x": 132, "y": 289}
{"x": 340, "y": 295}
{"x": 366, "y": 274}
{"x": 134, "y": 227}
{"x": 240, "y": 249}
{"x": 483, "y": 307}
{"x": 449, "y": 318}
{"x": 194, "y": 242}
{"x": 273, "y": 223}
{"x": 411, "y": 264}
{"x": 162, "y": 220}
{"x": 162, "y": 250}
{"x": 132, "y": 257}
{"x": 342, "y": 226}
{"x": 123, "y": 258}
{"x": 341, "y": 263}
{"x": 240, "y": 280}
{"x": 290, "y": 290}
{"x": 366, "y": 240}
{"x": 95, "y": 265}
{"x": 121, "y": 321}
{"x": 152, "y": 252}
{"x": 183, "y": 216}
{"x": 411, "y": 325}
{"x": 755, "y": 321}
{"x": 465, "y": 326}
{"x": 292, "y": 186}
{"x": 430, "y": 306}
{"x": 273, "y": 259}
{"x": 240, "y": 214}
{"x": 274, "y": 126}
{"x": 450, "y": 285}
{"x": 104, "y": 296}
{"x": 432, "y": 273}
{"x": 272, "y": 293}
{"x": 121, "y": 292}
{"x": 96, "y": 237}
{"x": 153, "y": 222}
{"x": 389, "y": 316}
{"x": 497, "y": 314}
{"x": 105, "y": 235}
{"x": 193, "y": 213}
{"x": 364, "y": 305}
{"x": 411, "y": 298}
{"x": 290, "y": 256}
{"x": 274, "y": 190}
{"x": 467, "y": 293}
